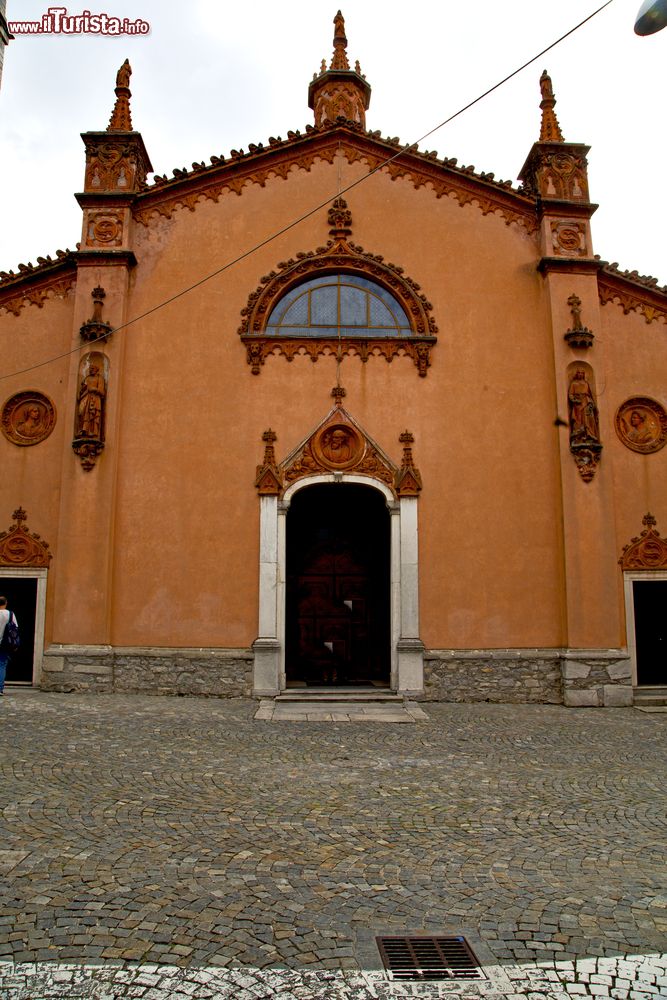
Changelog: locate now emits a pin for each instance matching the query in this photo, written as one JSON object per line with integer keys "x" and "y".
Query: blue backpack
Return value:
{"x": 11, "y": 639}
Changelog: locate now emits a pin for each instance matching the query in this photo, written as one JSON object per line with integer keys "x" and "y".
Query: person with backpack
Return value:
{"x": 8, "y": 639}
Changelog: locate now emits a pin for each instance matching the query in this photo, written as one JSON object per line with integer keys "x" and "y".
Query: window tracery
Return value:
{"x": 337, "y": 300}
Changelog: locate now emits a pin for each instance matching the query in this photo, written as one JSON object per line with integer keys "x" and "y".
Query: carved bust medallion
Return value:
{"x": 28, "y": 417}
{"x": 338, "y": 446}
{"x": 641, "y": 424}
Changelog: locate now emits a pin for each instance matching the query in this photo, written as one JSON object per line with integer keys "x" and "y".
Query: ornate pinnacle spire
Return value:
{"x": 550, "y": 130}
{"x": 339, "y": 60}
{"x": 339, "y": 92}
{"x": 121, "y": 119}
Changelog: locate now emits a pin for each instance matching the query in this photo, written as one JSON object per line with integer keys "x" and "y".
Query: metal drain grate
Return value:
{"x": 420, "y": 958}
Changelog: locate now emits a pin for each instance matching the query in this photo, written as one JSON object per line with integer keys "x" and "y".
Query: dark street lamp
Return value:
{"x": 652, "y": 16}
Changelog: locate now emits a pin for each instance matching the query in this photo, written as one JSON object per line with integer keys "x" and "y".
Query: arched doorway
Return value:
{"x": 337, "y": 621}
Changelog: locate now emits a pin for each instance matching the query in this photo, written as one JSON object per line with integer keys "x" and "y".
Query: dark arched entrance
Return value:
{"x": 338, "y": 572}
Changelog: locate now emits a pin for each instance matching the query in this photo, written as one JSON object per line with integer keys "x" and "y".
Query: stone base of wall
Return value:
{"x": 578, "y": 678}
{"x": 218, "y": 673}
{"x": 513, "y": 676}
{"x": 597, "y": 678}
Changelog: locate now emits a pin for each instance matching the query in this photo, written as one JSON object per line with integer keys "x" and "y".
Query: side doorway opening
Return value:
{"x": 338, "y": 587}
{"x": 25, "y": 592}
{"x": 648, "y": 629}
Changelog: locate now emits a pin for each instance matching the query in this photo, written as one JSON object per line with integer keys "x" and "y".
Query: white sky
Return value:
{"x": 212, "y": 76}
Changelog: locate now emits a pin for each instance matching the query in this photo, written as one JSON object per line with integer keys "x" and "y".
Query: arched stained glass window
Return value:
{"x": 334, "y": 305}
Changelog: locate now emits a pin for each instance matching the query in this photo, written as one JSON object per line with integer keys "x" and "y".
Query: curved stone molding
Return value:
{"x": 28, "y": 417}
{"x": 641, "y": 425}
{"x": 19, "y": 547}
{"x": 648, "y": 551}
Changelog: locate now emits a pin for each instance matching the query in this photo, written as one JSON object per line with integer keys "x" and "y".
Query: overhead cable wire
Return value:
{"x": 313, "y": 211}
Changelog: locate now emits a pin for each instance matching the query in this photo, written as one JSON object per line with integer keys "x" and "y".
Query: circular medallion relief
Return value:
{"x": 28, "y": 417}
{"x": 641, "y": 424}
{"x": 338, "y": 446}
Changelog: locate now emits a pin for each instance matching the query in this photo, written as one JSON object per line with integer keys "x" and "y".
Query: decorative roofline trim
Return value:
{"x": 51, "y": 279}
{"x": 633, "y": 293}
{"x": 301, "y": 151}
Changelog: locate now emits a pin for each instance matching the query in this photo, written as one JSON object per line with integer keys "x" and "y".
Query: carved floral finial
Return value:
{"x": 20, "y": 515}
{"x": 338, "y": 393}
{"x": 268, "y": 480}
{"x": 339, "y": 59}
{"x": 95, "y": 328}
{"x": 269, "y": 438}
{"x": 578, "y": 335}
{"x": 408, "y": 480}
{"x": 550, "y": 130}
{"x": 121, "y": 118}
{"x": 340, "y": 220}
{"x": 648, "y": 520}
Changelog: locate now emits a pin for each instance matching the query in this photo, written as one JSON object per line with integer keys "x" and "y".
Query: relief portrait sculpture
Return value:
{"x": 641, "y": 424}
{"x": 337, "y": 446}
{"x": 584, "y": 422}
{"x": 639, "y": 431}
{"x": 27, "y": 418}
{"x": 32, "y": 424}
{"x": 92, "y": 392}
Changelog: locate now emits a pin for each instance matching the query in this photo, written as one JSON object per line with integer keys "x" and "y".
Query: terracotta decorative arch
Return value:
{"x": 338, "y": 445}
{"x": 648, "y": 551}
{"x": 21, "y": 548}
{"x": 339, "y": 256}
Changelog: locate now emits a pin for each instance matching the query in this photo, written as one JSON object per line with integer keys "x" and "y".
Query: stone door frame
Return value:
{"x": 407, "y": 649}
{"x": 629, "y": 577}
{"x": 32, "y": 573}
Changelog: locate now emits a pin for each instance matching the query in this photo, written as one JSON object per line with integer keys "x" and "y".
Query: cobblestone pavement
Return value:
{"x": 160, "y": 848}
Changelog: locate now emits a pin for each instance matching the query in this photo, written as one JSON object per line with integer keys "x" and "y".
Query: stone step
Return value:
{"x": 339, "y": 694}
{"x": 650, "y": 695}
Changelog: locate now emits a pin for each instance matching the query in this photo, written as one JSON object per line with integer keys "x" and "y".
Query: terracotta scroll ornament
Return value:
{"x": 646, "y": 551}
{"x": 585, "y": 444}
{"x": 20, "y": 547}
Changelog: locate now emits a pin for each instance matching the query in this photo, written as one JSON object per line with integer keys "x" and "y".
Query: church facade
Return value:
{"x": 414, "y": 442}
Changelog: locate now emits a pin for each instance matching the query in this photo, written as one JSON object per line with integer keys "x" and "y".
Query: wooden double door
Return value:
{"x": 337, "y": 613}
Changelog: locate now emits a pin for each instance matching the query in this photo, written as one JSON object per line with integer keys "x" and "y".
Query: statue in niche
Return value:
{"x": 90, "y": 404}
{"x": 584, "y": 421}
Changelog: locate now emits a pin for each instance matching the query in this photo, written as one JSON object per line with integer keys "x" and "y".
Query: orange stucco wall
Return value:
{"x": 158, "y": 545}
